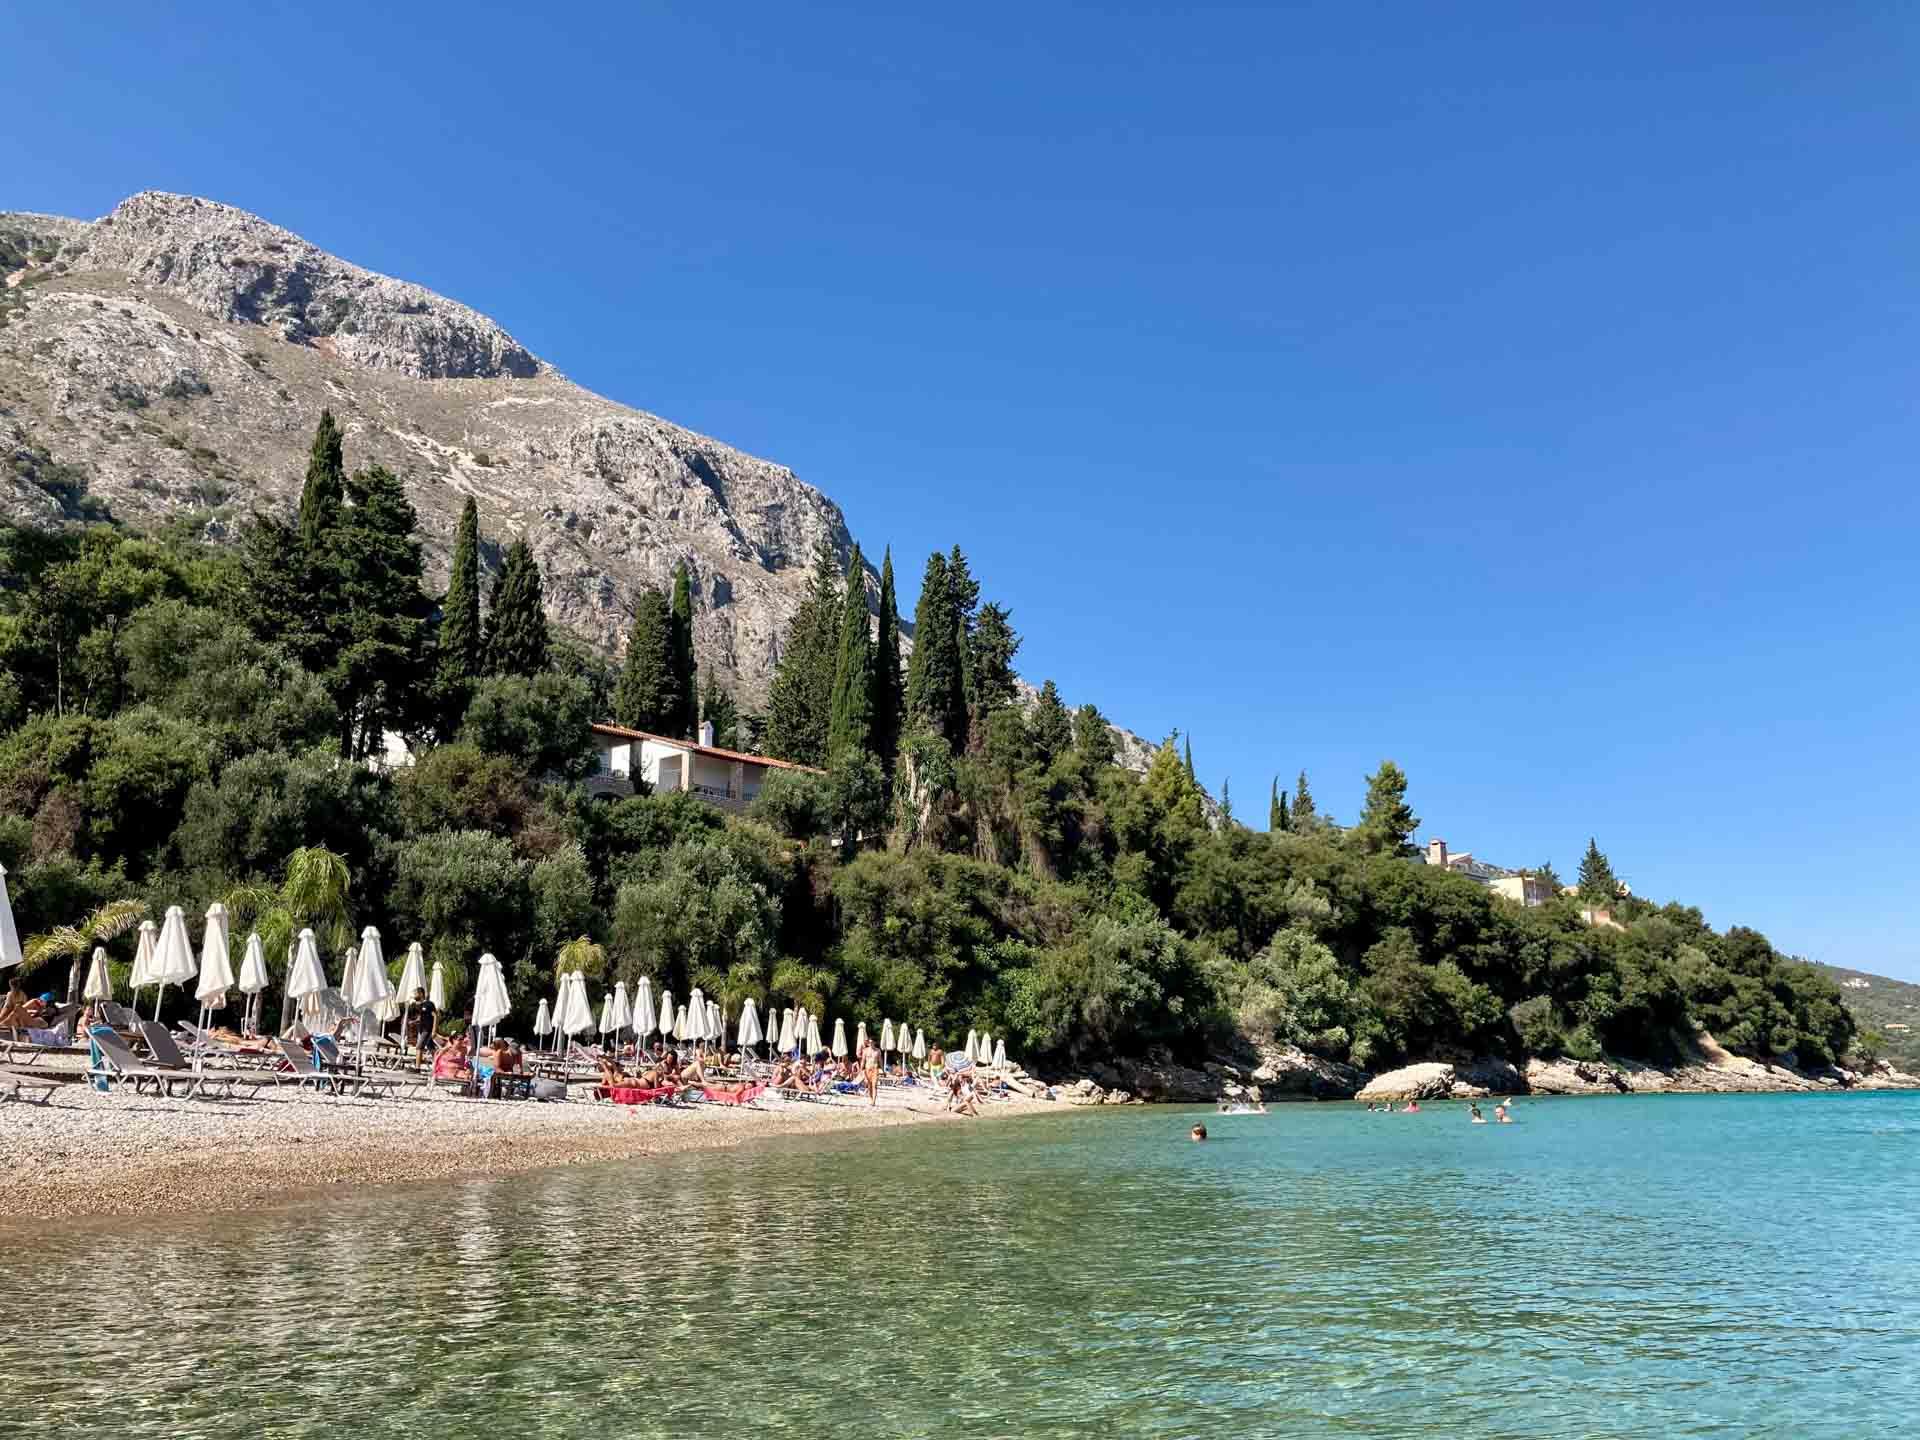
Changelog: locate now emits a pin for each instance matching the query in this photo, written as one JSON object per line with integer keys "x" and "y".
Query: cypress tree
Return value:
{"x": 936, "y": 695}
{"x": 686, "y": 721}
{"x": 647, "y": 696}
{"x": 321, "y": 496}
{"x": 1302, "y": 815}
{"x": 378, "y": 676}
{"x": 800, "y": 700}
{"x": 1051, "y": 728}
{"x": 459, "y": 651}
{"x": 718, "y": 710}
{"x": 1191, "y": 780}
{"x": 850, "y": 723}
{"x": 1276, "y": 808}
{"x": 517, "y": 618}
{"x": 887, "y": 694}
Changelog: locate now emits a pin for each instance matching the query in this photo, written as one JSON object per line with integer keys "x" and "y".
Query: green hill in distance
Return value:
{"x": 1883, "y": 1005}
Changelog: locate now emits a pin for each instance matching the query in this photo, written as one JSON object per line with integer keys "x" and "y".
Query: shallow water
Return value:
{"x": 1666, "y": 1266}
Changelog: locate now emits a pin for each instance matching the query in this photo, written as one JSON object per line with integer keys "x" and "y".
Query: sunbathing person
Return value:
{"x": 452, "y": 1062}
{"x": 17, "y": 1012}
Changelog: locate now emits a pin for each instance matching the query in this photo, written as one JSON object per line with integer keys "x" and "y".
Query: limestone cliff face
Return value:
{"x": 171, "y": 358}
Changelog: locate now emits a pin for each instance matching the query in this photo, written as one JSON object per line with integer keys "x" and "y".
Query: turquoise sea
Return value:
{"x": 1661, "y": 1266}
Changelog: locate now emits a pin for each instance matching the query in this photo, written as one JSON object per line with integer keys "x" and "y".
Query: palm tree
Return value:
{"x": 314, "y": 896}
{"x": 582, "y": 954}
{"x": 75, "y": 942}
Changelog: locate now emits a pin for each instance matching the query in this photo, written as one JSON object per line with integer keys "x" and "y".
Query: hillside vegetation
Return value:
{"x": 181, "y": 723}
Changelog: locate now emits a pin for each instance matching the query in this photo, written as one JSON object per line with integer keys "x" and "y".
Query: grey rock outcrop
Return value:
{"x": 1429, "y": 1081}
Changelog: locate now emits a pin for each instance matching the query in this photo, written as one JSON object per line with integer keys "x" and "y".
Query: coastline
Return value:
{"x": 87, "y": 1155}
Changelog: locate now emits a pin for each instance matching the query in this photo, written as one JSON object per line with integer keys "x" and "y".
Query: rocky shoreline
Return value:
{"x": 1274, "y": 1072}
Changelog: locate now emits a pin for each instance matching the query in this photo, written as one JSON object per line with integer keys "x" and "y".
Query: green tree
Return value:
{"x": 379, "y": 671}
{"x": 850, "y": 724}
{"x": 936, "y": 693}
{"x": 1192, "y": 779}
{"x": 1276, "y": 809}
{"x": 1303, "y": 815}
{"x": 800, "y": 700}
{"x": 1387, "y": 822}
{"x": 686, "y": 719}
{"x": 647, "y": 695}
{"x": 325, "y": 487}
{"x": 459, "y": 652}
{"x": 517, "y": 616}
{"x": 888, "y": 690}
{"x": 991, "y": 646}
{"x": 718, "y": 710}
{"x": 543, "y": 723}
{"x": 1051, "y": 728}
{"x": 1597, "y": 881}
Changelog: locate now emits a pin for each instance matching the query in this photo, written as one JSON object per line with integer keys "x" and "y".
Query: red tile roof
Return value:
{"x": 625, "y": 734}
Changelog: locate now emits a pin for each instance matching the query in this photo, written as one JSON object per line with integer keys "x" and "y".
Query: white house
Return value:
{"x": 726, "y": 778}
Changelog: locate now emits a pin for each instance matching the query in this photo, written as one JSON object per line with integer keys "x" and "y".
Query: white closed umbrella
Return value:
{"x": 579, "y": 1013}
{"x": 986, "y": 1047}
{"x": 371, "y": 989}
{"x": 813, "y": 1035}
{"x": 413, "y": 977}
{"x": 437, "y": 987}
{"x": 973, "y": 1044}
{"x": 785, "y": 1042}
{"x": 254, "y": 981}
{"x": 919, "y": 1044}
{"x": 173, "y": 962}
{"x": 606, "y": 1014}
{"x": 543, "y": 1019}
{"x": 800, "y": 1019}
{"x": 216, "y": 969}
{"x": 666, "y": 1014}
{"x": 716, "y": 1024}
{"x": 860, "y": 1040}
{"x": 694, "y": 1015}
{"x": 748, "y": 1031}
{"x": 490, "y": 1002}
{"x": 646, "y": 1019}
{"x": 886, "y": 1036}
{"x": 680, "y": 1023}
{"x": 839, "y": 1047}
{"x": 622, "y": 1011}
{"x": 9, "y": 933}
{"x": 143, "y": 956}
{"x": 1000, "y": 1053}
{"x": 99, "y": 984}
{"x": 305, "y": 978}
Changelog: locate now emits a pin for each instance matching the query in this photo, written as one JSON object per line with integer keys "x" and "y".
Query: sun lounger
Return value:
{"x": 118, "y": 1063}
{"x": 12, "y": 1082}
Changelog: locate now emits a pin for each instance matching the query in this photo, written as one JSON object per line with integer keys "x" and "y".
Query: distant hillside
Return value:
{"x": 1881, "y": 1006}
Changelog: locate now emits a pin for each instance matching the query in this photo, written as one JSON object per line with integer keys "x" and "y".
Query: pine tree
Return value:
{"x": 800, "y": 700}
{"x": 458, "y": 663}
{"x": 1597, "y": 880}
{"x": 850, "y": 722}
{"x": 378, "y": 675}
{"x": 1276, "y": 809}
{"x": 686, "y": 720}
{"x": 647, "y": 694}
{"x": 1093, "y": 742}
{"x": 1051, "y": 728}
{"x": 1303, "y": 814}
{"x": 325, "y": 488}
{"x": 1387, "y": 822}
{"x": 936, "y": 693}
{"x": 718, "y": 710}
{"x": 887, "y": 690}
{"x": 992, "y": 644}
{"x": 517, "y": 616}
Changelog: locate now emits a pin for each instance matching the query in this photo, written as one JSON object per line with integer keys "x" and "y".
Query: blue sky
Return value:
{"x": 1526, "y": 396}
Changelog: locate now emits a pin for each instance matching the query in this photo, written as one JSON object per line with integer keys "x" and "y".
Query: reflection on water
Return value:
{"x": 1724, "y": 1266}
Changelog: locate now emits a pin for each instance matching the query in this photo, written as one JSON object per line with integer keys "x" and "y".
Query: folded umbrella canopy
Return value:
{"x": 985, "y": 1052}
{"x": 860, "y": 1040}
{"x": 839, "y": 1047}
{"x": 749, "y": 1028}
{"x": 1000, "y": 1053}
{"x": 716, "y": 1024}
{"x": 437, "y": 988}
{"x": 9, "y": 935}
{"x": 578, "y": 1018}
{"x": 490, "y": 1002}
{"x": 813, "y": 1035}
{"x": 646, "y": 1019}
{"x": 305, "y": 979}
{"x": 680, "y": 1031}
{"x": 786, "y": 1041}
{"x": 693, "y": 1016}
{"x": 622, "y": 1012}
{"x": 606, "y": 1014}
{"x": 99, "y": 984}
{"x": 173, "y": 962}
{"x": 143, "y": 953}
{"x": 973, "y": 1043}
{"x": 371, "y": 988}
{"x": 886, "y": 1036}
{"x": 543, "y": 1019}
{"x": 253, "y": 982}
{"x": 919, "y": 1044}
{"x": 666, "y": 1014}
{"x": 413, "y": 976}
{"x": 216, "y": 970}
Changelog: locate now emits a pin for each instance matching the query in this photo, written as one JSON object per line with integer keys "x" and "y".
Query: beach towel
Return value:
{"x": 737, "y": 1095}
{"x": 635, "y": 1094}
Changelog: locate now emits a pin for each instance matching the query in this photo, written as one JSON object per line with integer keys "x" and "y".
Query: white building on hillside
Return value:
{"x": 1516, "y": 885}
{"x": 727, "y": 778}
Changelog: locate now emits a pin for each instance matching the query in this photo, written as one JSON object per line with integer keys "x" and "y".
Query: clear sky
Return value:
{"x": 1522, "y": 394}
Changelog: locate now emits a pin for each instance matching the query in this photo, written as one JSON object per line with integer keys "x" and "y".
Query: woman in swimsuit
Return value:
{"x": 873, "y": 1074}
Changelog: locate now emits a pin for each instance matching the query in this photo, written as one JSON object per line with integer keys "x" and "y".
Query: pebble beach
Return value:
{"x": 84, "y": 1153}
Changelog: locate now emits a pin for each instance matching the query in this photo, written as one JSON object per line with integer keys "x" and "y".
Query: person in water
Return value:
{"x": 1478, "y": 1118}
{"x": 1500, "y": 1114}
{"x": 1199, "y": 1132}
{"x": 1413, "y": 1108}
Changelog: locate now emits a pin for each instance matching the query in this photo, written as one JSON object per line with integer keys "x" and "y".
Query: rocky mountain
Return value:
{"x": 170, "y": 359}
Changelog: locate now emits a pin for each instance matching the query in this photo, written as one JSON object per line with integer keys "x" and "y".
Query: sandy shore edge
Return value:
{"x": 85, "y": 1154}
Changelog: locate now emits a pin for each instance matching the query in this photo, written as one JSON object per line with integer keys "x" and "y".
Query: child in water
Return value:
{"x": 1199, "y": 1132}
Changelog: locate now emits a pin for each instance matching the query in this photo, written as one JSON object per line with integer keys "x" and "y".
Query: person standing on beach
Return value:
{"x": 870, "y": 1058}
{"x": 425, "y": 1019}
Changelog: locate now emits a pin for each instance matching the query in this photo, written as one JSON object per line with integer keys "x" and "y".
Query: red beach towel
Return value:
{"x": 742, "y": 1095}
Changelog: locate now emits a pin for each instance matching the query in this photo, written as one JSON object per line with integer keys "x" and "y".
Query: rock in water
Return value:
{"x": 1431, "y": 1081}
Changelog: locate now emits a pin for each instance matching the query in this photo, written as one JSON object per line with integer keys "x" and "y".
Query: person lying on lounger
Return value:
{"x": 452, "y": 1062}
{"x": 17, "y": 1011}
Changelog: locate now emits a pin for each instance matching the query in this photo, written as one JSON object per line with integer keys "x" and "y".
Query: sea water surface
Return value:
{"x": 1660, "y": 1266}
